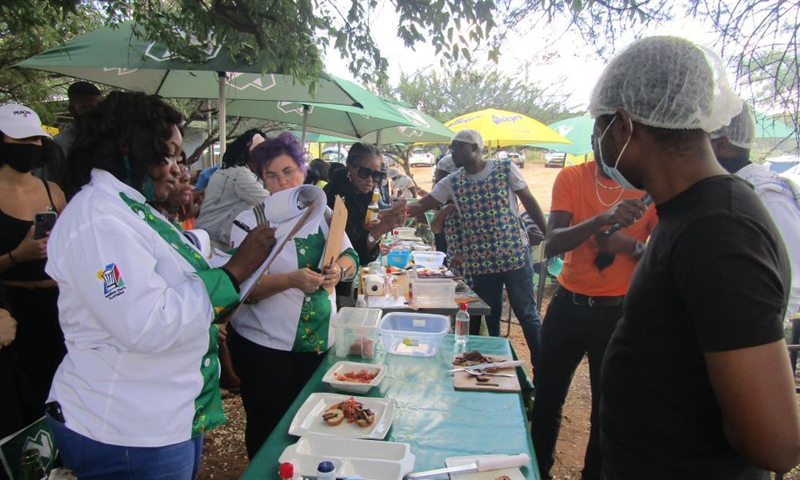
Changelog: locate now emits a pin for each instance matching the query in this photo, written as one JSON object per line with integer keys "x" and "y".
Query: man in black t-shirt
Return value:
{"x": 696, "y": 382}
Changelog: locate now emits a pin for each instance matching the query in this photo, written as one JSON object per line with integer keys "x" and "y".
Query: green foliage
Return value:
{"x": 25, "y": 32}
{"x": 448, "y": 95}
{"x": 283, "y": 36}
{"x": 292, "y": 36}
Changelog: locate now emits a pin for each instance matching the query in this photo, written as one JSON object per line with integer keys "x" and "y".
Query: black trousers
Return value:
{"x": 271, "y": 380}
{"x": 569, "y": 331}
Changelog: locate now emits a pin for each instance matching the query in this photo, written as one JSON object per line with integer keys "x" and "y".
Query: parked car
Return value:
{"x": 517, "y": 158}
{"x": 554, "y": 159}
{"x": 333, "y": 155}
{"x": 421, "y": 157}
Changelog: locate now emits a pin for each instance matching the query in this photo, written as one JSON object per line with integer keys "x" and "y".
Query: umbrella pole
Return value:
{"x": 378, "y": 138}
{"x": 209, "y": 158}
{"x": 305, "y": 125}
{"x": 222, "y": 126}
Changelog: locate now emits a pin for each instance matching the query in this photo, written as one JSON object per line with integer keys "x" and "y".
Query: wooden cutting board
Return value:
{"x": 465, "y": 381}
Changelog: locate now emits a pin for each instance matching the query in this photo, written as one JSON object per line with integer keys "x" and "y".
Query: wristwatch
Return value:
{"x": 372, "y": 239}
{"x": 638, "y": 250}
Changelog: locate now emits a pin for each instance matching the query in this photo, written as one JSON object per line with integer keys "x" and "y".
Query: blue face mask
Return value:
{"x": 613, "y": 172}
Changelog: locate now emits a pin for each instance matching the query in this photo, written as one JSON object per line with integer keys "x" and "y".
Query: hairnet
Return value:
{"x": 742, "y": 129}
{"x": 469, "y": 136}
{"x": 666, "y": 82}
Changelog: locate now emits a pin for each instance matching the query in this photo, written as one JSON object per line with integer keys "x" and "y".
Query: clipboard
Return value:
{"x": 248, "y": 285}
{"x": 336, "y": 231}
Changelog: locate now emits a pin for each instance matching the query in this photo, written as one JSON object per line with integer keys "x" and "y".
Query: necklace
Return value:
{"x": 606, "y": 187}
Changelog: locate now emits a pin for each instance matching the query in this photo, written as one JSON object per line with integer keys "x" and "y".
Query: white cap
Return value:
{"x": 469, "y": 136}
{"x": 741, "y": 132}
{"x": 446, "y": 164}
{"x": 667, "y": 82}
{"x": 18, "y": 121}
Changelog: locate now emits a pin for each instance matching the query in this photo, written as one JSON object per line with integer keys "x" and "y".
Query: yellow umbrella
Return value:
{"x": 501, "y": 128}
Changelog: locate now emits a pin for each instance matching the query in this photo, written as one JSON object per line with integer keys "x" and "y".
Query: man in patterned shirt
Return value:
{"x": 488, "y": 241}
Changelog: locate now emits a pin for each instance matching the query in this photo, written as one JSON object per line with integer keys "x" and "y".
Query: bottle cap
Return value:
{"x": 325, "y": 467}
{"x": 286, "y": 470}
{"x": 462, "y": 306}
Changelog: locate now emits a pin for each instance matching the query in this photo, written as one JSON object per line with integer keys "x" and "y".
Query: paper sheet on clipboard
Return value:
{"x": 297, "y": 207}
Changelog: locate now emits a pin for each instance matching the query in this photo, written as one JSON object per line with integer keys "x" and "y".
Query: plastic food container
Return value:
{"x": 413, "y": 334}
{"x": 429, "y": 259}
{"x": 356, "y": 331}
{"x": 404, "y": 232}
{"x": 433, "y": 292}
{"x": 398, "y": 258}
{"x": 344, "y": 368}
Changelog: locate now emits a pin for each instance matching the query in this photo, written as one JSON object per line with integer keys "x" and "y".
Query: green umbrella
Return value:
{"x": 577, "y": 130}
{"x": 380, "y": 121}
{"x": 350, "y": 121}
{"x": 767, "y": 127}
{"x": 312, "y": 137}
{"x": 119, "y": 58}
{"x": 424, "y": 128}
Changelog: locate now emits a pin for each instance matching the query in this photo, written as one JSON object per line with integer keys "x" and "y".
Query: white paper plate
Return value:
{"x": 350, "y": 457}
{"x": 308, "y": 419}
{"x": 512, "y": 473}
{"x": 355, "y": 387}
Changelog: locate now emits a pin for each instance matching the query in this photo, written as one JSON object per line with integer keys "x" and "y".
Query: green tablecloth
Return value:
{"x": 435, "y": 419}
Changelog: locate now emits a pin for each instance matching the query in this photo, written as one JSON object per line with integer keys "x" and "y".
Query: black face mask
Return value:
{"x": 22, "y": 157}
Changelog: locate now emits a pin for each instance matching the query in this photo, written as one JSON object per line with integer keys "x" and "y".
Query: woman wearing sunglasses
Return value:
{"x": 355, "y": 184}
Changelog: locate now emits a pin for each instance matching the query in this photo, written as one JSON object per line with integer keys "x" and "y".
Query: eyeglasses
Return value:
{"x": 364, "y": 173}
{"x": 287, "y": 175}
{"x": 454, "y": 146}
{"x": 186, "y": 169}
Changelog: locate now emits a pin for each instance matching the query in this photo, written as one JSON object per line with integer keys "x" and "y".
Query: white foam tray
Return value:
{"x": 350, "y": 457}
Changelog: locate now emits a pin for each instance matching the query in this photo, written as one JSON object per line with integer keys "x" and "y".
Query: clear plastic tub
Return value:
{"x": 413, "y": 334}
{"x": 433, "y": 292}
{"x": 433, "y": 260}
{"x": 356, "y": 331}
{"x": 398, "y": 258}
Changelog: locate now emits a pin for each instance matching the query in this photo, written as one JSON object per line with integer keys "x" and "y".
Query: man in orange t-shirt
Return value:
{"x": 588, "y": 302}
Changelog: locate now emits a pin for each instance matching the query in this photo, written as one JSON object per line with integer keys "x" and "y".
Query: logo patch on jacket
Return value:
{"x": 113, "y": 284}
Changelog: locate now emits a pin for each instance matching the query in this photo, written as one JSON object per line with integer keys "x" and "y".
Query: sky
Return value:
{"x": 572, "y": 67}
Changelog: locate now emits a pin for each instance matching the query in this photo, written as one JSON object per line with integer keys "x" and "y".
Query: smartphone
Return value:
{"x": 43, "y": 222}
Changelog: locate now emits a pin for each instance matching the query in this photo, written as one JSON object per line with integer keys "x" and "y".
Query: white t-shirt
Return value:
{"x": 780, "y": 196}
{"x": 404, "y": 184}
{"x": 443, "y": 191}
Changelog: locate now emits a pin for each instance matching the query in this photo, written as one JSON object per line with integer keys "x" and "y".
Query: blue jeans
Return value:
{"x": 92, "y": 460}
{"x": 519, "y": 285}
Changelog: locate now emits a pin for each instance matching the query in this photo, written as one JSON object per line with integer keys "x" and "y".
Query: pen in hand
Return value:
{"x": 242, "y": 226}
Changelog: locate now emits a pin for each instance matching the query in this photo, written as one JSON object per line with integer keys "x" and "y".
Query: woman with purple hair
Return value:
{"x": 279, "y": 341}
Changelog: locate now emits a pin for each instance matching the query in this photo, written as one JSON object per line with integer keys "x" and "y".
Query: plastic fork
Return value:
{"x": 488, "y": 374}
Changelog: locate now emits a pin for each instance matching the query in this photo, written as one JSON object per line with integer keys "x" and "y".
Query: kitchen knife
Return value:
{"x": 484, "y": 366}
{"x": 480, "y": 465}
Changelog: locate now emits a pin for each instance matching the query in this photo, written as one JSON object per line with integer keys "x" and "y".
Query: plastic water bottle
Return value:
{"x": 462, "y": 327}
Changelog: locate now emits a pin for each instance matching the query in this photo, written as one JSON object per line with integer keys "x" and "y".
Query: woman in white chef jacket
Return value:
{"x": 139, "y": 384}
{"x": 277, "y": 343}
